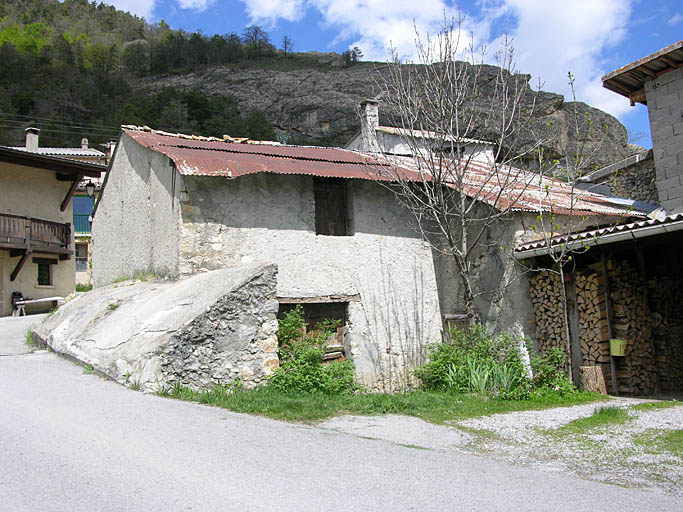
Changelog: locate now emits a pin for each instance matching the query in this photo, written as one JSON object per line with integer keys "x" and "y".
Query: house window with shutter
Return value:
{"x": 331, "y": 213}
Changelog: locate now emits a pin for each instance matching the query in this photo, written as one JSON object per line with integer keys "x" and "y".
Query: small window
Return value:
{"x": 455, "y": 321}
{"x": 331, "y": 216}
{"x": 81, "y": 257}
{"x": 44, "y": 274}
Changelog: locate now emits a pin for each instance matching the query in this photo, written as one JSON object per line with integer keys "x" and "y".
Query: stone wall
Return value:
{"x": 665, "y": 105}
{"x": 235, "y": 339}
{"x": 383, "y": 262}
{"x": 209, "y": 328}
{"x": 637, "y": 181}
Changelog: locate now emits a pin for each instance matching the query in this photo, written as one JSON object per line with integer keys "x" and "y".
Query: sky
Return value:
{"x": 590, "y": 38}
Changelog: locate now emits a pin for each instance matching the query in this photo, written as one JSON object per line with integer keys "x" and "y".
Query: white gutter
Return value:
{"x": 605, "y": 239}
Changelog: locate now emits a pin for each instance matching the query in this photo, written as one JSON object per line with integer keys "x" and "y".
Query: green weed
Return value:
{"x": 661, "y": 441}
{"x": 88, "y": 369}
{"x": 28, "y": 339}
{"x": 83, "y": 287}
{"x": 602, "y": 416}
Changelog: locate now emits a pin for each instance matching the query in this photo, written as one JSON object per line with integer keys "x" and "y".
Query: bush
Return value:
{"x": 301, "y": 357}
{"x": 476, "y": 361}
{"x": 549, "y": 373}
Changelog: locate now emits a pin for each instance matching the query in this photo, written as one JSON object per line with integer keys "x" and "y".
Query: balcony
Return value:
{"x": 34, "y": 235}
{"x": 82, "y": 224}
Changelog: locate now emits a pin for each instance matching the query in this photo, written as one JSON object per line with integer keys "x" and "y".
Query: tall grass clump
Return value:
{"x": 476, "y": 361}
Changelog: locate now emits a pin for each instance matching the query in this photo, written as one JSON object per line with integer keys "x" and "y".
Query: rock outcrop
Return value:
{"x": 322, "y": 104}
{"x": 212, "y": 327}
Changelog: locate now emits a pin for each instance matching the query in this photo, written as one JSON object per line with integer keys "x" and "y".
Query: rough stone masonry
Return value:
{"x": 212, "y": 327}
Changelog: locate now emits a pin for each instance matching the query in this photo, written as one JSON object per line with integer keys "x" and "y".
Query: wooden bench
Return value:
{"x": 21, "y": 304}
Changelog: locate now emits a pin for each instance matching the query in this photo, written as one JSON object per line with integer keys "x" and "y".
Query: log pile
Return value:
{"x": 546, "y": 297}
{"x": 593, "y": 333}
{"x": 664, "y": 293}
{"x": 631, "y": 320}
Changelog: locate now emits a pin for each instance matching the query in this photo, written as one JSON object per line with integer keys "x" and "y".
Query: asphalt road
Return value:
{"x": 71, "y": 441}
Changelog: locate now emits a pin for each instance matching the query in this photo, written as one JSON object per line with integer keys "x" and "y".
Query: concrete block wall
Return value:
{"x": 665, "y": 105}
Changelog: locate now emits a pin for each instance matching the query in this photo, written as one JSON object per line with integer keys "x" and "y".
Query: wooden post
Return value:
{"x": 610, "y": 330}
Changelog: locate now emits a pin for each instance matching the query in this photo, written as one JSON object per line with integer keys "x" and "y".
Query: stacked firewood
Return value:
{"x": 593, "y": 332}
{"x": 631, "y": 320}
{"x": 667, "y": 328}
{"x": 546, "y": 297}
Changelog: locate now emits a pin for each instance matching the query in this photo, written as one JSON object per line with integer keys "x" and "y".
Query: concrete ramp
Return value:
{"x": 211, "y": 327}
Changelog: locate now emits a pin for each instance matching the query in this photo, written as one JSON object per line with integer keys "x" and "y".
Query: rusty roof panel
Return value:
{"x": 507, "y": 187}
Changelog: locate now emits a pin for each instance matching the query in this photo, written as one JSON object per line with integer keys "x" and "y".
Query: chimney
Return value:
{"x": 84, "y": 143}
{"x": 32, "y": 138}
{"x": 369, "y": 122}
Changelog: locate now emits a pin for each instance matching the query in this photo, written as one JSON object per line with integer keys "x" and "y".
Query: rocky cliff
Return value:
{"x": 322, "y": 104}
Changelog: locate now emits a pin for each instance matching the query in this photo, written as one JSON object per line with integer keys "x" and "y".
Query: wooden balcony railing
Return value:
{"x": 29, "y": 234}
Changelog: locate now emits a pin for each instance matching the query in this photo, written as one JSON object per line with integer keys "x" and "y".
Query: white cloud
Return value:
{"x": 675, "y": 19}
{"x": 553, "y": 38}
{"x": 144, "y": 8}
{"x": 270, "y": 11}
{"x": 196, "y": 5}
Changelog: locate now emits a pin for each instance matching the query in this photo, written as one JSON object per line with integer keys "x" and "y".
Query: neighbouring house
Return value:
{"x": 177, "y": 205}
{"x": 657, "y": 81}
{"x": 391, "y": 140}
{"x": 82, "y": 201}
{"x": 36, "y": 233}
{"x": 82, "y": 154}
{"x": 633, "y": 177}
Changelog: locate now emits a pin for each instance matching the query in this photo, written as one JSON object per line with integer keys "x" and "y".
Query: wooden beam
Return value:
{"x": 319, "y": 300}
{"x": 646, "y": 71}
{"x": 70, "y": 193}
{"x": 20, "y": 264}
{"x": 638, "y": 97}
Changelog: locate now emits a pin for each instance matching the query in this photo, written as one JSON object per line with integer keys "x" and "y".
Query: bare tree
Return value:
{"x": 465, "y": 187}
{"x": 287, "y": 45}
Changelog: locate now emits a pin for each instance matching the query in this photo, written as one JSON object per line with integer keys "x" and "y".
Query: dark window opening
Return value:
{"x": 317, "y": 312}
{"x": 331, "y": 213}
{"x": 44, "y": 274}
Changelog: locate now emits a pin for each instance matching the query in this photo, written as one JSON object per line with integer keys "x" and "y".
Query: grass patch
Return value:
{"x": 602, "y": 416}
{"x": 653, "y": 406}
{"x": 28, "y": 339}
{"x": 113, "y": 306}
{"x": 83, "y": 287}
{"x": 661, "y": 441}
{"x": 436, "y": 407}
{"x": 88, "y": 369}
{"x": 137, "y": 276}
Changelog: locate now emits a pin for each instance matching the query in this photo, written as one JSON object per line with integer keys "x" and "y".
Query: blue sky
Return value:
{"x": 551, "y": 37}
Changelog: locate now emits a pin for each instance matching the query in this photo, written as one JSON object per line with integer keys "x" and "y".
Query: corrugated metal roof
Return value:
{"x": 427, "y": 134}
{"x": 508, "y": 187}
{"x": 88, "y": 152}
{"x": 521, "y": 190}
{"x": 596, "y": 234}
{"x": 629, "y": 80}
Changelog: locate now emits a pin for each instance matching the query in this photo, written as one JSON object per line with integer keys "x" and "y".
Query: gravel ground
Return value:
{"x": 536, "y": 439}
{"x": 608, "y": 454}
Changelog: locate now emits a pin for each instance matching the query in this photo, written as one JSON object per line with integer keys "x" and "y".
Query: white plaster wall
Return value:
{"x": 30, "y": 192}
{"x": 398, "y": 145}
{"x": 271, "y": 218}
{"x": 136, "y": 226}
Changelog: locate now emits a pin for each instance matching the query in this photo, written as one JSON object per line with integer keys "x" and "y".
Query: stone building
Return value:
{"x": 657, "y": 81}
{"x": 177, "y": 205}
{"x": 634, "y": 178}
